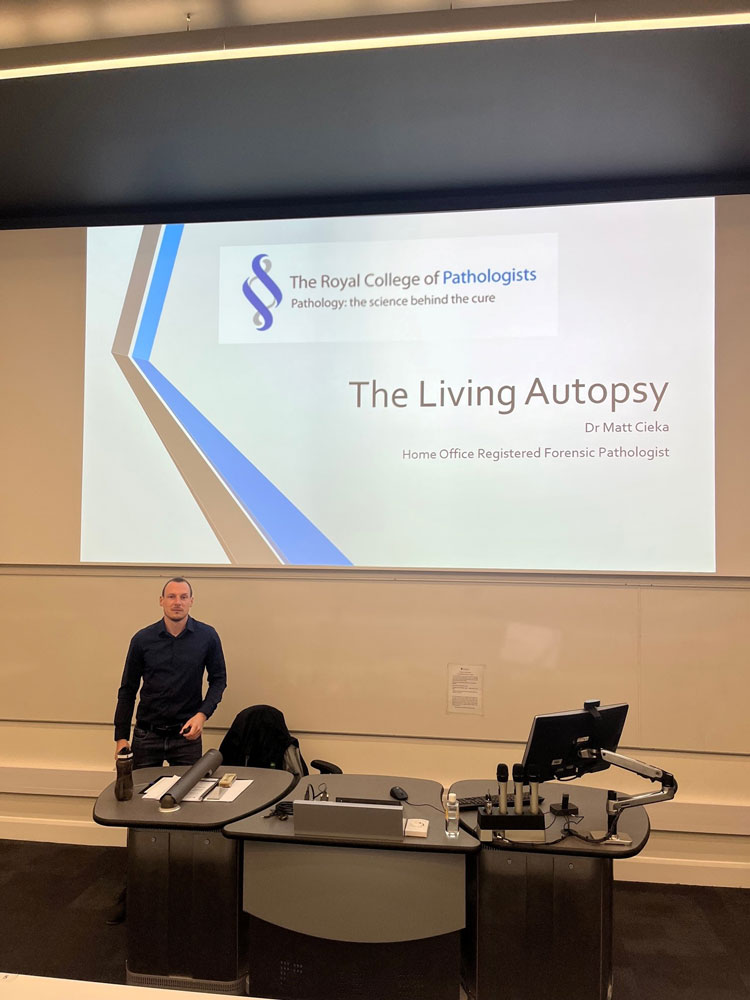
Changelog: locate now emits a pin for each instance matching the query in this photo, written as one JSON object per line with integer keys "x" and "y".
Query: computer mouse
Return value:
{"x": 397, "y": 792}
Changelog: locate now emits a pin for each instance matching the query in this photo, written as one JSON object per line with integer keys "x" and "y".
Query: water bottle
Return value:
{"x": 451, "y": 816}
{"x": 124, "y": 783}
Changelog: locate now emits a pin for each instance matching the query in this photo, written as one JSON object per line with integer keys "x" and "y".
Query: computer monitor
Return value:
{"x": 555, "y": 740}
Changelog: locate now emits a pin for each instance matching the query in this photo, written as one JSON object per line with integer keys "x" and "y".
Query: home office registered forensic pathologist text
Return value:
{"x": 540, "y": 453}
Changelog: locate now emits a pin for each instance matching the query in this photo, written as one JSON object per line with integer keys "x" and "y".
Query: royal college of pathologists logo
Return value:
{"x": 265, "y": 286}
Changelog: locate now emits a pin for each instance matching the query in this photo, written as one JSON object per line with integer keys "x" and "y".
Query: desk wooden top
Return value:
{"x": 267, "y": 786}
{"x": 424, "y": 802}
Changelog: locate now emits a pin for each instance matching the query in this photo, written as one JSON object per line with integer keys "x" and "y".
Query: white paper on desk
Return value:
{"x": 200, "y": 790}
{"x": 196, "y": 794}
{"x": 230, "y": 794}
{"x": 161, "y": 787}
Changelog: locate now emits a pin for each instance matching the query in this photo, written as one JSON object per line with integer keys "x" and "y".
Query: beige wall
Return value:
{"x": 361, "y": 653}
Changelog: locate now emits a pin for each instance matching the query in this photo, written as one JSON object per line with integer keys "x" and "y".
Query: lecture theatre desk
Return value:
{"x": 539, "y": 916}
{"x": 355, "y": 917}
{"x": 185, "y": 926}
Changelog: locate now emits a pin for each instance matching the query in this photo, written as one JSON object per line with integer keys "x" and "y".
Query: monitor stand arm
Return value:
{"x": 616, "y": 805}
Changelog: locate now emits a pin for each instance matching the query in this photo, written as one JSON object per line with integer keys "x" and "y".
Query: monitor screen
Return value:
{"x": 555, "y": 741}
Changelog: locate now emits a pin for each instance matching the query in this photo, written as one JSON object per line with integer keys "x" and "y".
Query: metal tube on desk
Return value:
{"x": 208, "y": 763}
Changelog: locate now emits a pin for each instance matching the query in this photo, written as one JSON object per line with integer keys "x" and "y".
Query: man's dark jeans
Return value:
{"x": 152, "y": 749}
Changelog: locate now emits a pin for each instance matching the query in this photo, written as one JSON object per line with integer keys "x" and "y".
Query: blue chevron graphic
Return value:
{"x": 294, "y": 538}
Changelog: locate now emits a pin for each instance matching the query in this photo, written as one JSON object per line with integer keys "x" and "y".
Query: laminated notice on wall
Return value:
{"x": 466, "y": 688}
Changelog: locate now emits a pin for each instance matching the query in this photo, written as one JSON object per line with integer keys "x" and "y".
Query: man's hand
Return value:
{"x": 119, "y": 745}
{"x": 193, "y": 727}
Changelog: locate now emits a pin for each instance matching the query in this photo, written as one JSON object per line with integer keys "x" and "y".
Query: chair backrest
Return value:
{"x": 259, "y": 737}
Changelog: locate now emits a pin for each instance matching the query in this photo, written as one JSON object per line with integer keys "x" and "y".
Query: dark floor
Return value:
{"x": 53, "y": 904}
{"x": 691, "y": 942}
{"x": 671, "y": 942}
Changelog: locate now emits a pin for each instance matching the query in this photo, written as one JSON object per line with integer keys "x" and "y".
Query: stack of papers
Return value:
{"x": 206, "y": 790}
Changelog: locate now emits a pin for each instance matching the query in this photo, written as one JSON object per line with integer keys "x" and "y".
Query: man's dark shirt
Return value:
{"x": 171, "y": 668}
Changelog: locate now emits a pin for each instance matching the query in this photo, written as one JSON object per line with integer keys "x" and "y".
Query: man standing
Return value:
{"x": 169, "y": 658}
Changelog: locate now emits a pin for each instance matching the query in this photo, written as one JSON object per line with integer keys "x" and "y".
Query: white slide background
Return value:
{"x": 623, "y": 293}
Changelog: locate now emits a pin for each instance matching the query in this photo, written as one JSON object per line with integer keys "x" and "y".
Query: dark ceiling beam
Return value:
{"x": 516, "y": 118}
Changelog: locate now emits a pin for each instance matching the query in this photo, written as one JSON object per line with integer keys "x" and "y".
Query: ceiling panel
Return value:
{"x": 623, "y": 110}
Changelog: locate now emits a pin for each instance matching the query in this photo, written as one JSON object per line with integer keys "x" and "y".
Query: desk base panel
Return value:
{"x": 235, "y": 988}
{"x": 293, "y": 966}
{"x": 185, "y": 925}
{"x": 537, "y": 925}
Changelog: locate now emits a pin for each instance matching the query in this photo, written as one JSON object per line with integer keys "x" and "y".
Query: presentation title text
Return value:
{"x": 367, "y": 393}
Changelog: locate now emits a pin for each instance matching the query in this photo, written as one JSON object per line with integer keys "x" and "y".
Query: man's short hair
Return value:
{"x": 176, "y": 579}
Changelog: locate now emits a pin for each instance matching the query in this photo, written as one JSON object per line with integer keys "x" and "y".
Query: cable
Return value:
{"x": 586, "y": 838}
{"x": 425, "y": 805}
{"x": 282, "y": 810}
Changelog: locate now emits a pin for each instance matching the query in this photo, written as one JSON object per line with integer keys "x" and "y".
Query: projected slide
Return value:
{"x": 518, "y": 389}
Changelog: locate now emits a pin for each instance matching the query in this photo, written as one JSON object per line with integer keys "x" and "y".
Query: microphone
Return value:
{"x": 502, "y": 789}
{"x": 518, "y": 789}
{"x": 208, "y": 763}
{"x": 533, "y": 776}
